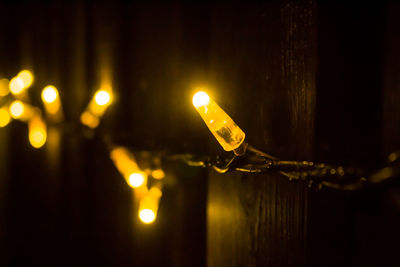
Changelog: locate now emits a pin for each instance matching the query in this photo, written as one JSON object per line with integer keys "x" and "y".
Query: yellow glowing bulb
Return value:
{"x": 136, "y": 179}
{"x": 17, "y": 109}
{"x": 52, "y": 103}
{"x": 37, "y": 132}
{"x": 89, "y": 120}
{"x": 126, "y": 164}
{"x": 147, "y": 216}
{"x": 200, "y": 99}
{"x": 158, "y": 174}
{"x": 49, "y": 94}
{"x": 37, "y": 139}
{"x": 26, "y": 77}
{"x": 149, "y": 204}
{"x": 16, "y": 85}
{"x": 102, "y": 98}
{"x": 4, "y": 83}
{"x": 224, "y": 129}
{"x": 4, "y": 117}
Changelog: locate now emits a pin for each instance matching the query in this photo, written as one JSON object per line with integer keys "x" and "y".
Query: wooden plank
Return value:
{"x": 263, "y": 60}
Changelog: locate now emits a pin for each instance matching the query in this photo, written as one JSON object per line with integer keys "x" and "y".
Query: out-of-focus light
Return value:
{"x": 89, "y": 120}
{"x": 136, "y": 179}
{"x": 37, "y": 132}
{"x": 158, "y": 174}
{"x": 16, "y": 86}
{"x": 17, "y": 109}
{"x": 49, "y": 94}
{"x": 147, "y": 216}
{"x": 102, "y": 97}
{"x": 155, "y": 192}
{"x": 224, "y": 129}
{"x": 52, "y": 103}
{"x": 27, "y": 78}
{"x": 21, "y": 82}
{"x": 4, "y": 117}
{"x": 149, "y": 205}
{"x": 96, "y": 108}
{"x": 126, "y": 164}
{"x": 4, "y": 87}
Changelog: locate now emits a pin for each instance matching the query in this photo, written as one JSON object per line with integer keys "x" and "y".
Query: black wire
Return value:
{"x": 320, "y": 174}
{"x": 257, "y": 161}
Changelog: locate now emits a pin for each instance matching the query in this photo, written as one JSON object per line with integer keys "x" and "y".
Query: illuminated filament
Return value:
{"x": 224, "y": 129}
{"x": 126, "y": 164}
{"x": 148, "y": 206}
{"x": 37, "y": 131}
{"x": 21, "y": 82}
{"x": 96, "y": 108}
{"x": 52, "y": 103}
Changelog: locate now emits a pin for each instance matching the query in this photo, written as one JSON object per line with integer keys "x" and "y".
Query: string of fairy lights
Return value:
{"x": 148, "y": 183}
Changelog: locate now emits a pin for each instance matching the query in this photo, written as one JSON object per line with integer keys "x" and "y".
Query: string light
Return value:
{"x": 49, "y": 94}
{"x": 96, "y": 108}
{"x": 224, "y": 129}
{"x": 22, "y": 111}
{"x": 17, "y": 109}
{"x": 22, "y": 81}
{"x": 89, "y": 120}
{"x": 245, "y": 159}
{"x": 148, "y": 206}
{"x": 27, "y": 78}
{"x": 158, "y": 174}
{"x": 5, "y": 117}
{"x": 102, "y": 98}
{"x": 128, "y": 167}
{"x": 136, "y": 179}
{"x": 147, "y": 216}
{"x": 16, "y": 86}
{"x": 52, "y": 103}
{"x": 37, "y": 131}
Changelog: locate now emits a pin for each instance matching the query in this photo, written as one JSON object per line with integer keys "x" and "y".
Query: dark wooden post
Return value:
{"x": 263, "y": 60}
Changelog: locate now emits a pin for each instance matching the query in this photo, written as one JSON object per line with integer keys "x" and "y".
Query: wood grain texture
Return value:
{"x": 263, "y": 62}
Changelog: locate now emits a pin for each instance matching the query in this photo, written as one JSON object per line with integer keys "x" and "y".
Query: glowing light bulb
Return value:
{"x": 102, "y": 98}
{"x": 16, "y": 86}
{"x": 52, "y": 103}
{"x": 4, "y": 117}
{"x": 136, "y": 179}
{"x": 17, "y": 109}
{"x": 200, "y": 99}
{"x": 4, "y": 83}
{"x": 147, "y": 216}
{"x": 22, "y": 81}
{"x": 49, "y": 94}
{"x": 126, "y": 164}
{"x": 96, "y": 108}
{"x": 27, "y": 78}
{"x": 89, "y": 120}
{"x": 224, "y": 129}
{"x": 148, "y": 206}
{"x": 158, "y": 174}
{"x": 37, "y": 132}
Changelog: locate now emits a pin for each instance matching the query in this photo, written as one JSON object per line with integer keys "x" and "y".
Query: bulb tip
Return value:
{"x": 200, "y": 99}
{"x": 147, "y": 216}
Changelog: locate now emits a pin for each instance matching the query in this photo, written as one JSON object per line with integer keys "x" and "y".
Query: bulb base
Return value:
{"x": 241, "y": 150}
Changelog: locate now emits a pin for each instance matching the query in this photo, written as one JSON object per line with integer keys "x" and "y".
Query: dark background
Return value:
{"x": 306, "y": 80}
